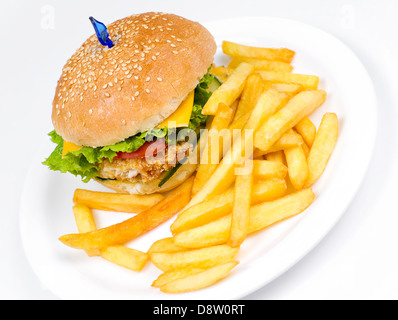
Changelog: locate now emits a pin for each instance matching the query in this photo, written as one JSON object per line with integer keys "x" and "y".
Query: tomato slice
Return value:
{"x": 155, "y": 147}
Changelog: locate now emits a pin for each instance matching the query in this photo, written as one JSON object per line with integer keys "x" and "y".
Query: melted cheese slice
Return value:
{"x": 69, "y": 147}
{"x": 182, "y": 116}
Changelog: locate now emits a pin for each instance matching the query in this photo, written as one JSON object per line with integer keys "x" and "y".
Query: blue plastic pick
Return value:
{"x": 102, "y": 33}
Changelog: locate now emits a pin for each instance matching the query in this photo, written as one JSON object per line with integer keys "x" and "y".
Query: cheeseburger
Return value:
{"x": 119, "y": 110}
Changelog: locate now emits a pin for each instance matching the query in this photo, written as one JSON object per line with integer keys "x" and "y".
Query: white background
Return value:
{"x": 358, "y": 259}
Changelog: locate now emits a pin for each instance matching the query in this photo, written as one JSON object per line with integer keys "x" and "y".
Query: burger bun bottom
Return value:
{"x": 131, "y": 187}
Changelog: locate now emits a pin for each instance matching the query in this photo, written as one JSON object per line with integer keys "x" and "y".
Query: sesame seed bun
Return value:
{"x": 131, "y": 187}
{"x": 106, "y": 95}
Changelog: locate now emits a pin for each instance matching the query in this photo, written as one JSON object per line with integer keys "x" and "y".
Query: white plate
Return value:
{"x": 46, "y": 204}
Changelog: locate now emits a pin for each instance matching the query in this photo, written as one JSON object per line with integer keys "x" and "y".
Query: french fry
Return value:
{"x": 288, "y": 140}
{"x": 306, "y": 149}
{"x": 238, "y": 50}
{"x": 241, "y": 209}
{"x": 115, "y": 201}
{"x": 264, "y": 169}
{"x": 297, "y": 166}
{"x": 212, "y": 149}
{"x": 197, "y": 258}
{"x": 85, "y": 223}
{"x": 251, "y": 93}
{"x": 262, "y": 64}
{"x": 199, "y": 280}
{"x": 289, "y": 88}
{"x": 165, "y": 245}
{"x": 175, "y": 274}
{"x": 221, "y": 205}
{"x": 277, "y": 156}
{"x": 309, "y": 82}
{"x": 224, "y": 176}
{"x": 134, "y": 227}
{"x": 300, "y": 106}
{"x": 307, "y": 130}
{"x": 128, "y": 258}
{"x": 261, "y": 216}
{"x": 267, "y": 190}
{"x": 323, "y": 146}
{"x": 230, "y": 90}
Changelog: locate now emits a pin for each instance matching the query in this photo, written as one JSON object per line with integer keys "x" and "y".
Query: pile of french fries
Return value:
{"x": 263, "y": 178}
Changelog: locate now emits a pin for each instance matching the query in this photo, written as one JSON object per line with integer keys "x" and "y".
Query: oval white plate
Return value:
{"x": 46, "y": 203}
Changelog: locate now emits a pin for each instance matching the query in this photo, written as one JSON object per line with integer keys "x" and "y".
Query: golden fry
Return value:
{"x": 230, "y": 90}
{"x": 323, "y": 146}
{"x": 85, "y": 223}
{"x": 165, "y": 245}
{"x": 251, "y": 93}
{"x": 289, "y": 88}
{"x": 277, "y": 156}
{"x": 125, "y": 257}
{"x": 264, "y": 169}
{"x": 241, "y": 209}
{"x": 300, "y": 106}
{"x": 170, "y": 276}
{"x": 197, "y": 258}
{"x": 297, "y": 166}
{"x": 288, "y": 140}
{"x": 307, "y": 130}
{"x": 115, "y": 201}
{"x": 199, "y": 280}
{"x": 238, "y": 50}
{"x": 262, "y": 64}
{"x": 309, "y": 82}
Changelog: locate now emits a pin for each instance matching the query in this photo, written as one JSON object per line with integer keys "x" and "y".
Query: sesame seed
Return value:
{"x": 159, "y": 79}
{"x": 147, "y": 79}
{"x": 137, "y": 93}
{"x": 153, "y": 58}
{"x": 147, "y": 91}
{"x": 90, "y": 111}
{"x": 107, "y": 94}
{"x": 175, "y": 52}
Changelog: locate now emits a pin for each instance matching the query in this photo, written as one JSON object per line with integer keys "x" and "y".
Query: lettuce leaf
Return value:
{"x": 84, "y": 162}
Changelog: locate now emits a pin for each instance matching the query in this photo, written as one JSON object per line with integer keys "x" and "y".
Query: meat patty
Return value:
{"x": 145, "y": 169}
